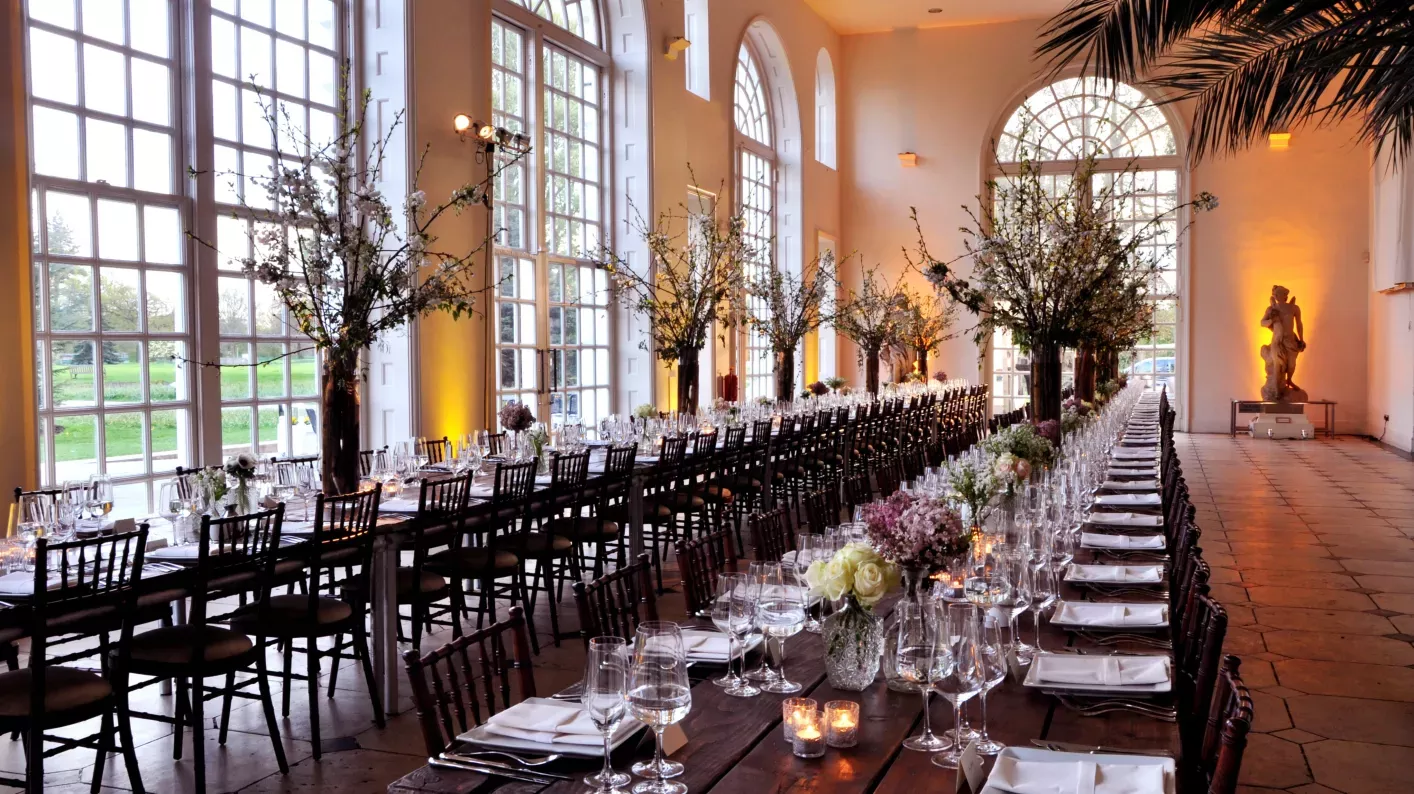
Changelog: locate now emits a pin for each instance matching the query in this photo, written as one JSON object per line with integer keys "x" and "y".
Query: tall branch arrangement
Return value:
{"x": 1049, "y": 258}
{"x": 694, "y": 279}
{"x": 926, "y": 322}
{"x": 1253, "y": 66}
{"x": 784, "y": 308}
{"x": 872, "y": 318}
{"x": 347, "y": 266}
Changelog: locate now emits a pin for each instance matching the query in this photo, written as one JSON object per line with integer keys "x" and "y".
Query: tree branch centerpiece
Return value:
{"x": 925, "y": 320}
{"x": 783, "y": 308}
{"x": 695, "y": 278}
{"x": 348, "y": 268}
{"x": 871, "y": 318}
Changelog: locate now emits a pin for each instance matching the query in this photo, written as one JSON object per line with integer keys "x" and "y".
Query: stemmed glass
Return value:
{"x": 964, "y": 677}
{"x": 1015, "y": 597}
{"x": 733, "y": 613}
{"x": 921, "y": 660}
{"x": 808, "y": 549}
{"x": 100, "y": 495}
{"x": 992, "y": 649}
{"x": 659, "y": 695}
{"x": 605, "y": 698}
{"x": 306, "y": 486}
{"x": 782, "y": 615}
{"x": 1043, "y": 596}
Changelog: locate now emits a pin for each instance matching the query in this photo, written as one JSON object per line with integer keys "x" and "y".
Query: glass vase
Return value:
{"x": 854, "y": 643}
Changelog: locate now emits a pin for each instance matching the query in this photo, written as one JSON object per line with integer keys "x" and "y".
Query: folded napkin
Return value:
{"x": 1082, "y": 613}
{"x": 483, "y": 491}
{"x": 1097, "y": 540}
{"x": 1140, "y": 453}
{"x": 545, "y": 722}
{"x": 1119, "y": 470}
{"x": 788, "y": 558}
{"x": 1115, "y": 573}
{"x": 1137, "y": 485}
{"x": 1129, "y": 499}
{"x": 22, "y": 583}
{"x": 1015, "y": 776}
{"x": 188, "y": 552}
{"x": 1064, "y": 668}
{"x": 1126, "y": 519}
{"x": 398, "y": 504}
{"x": 706, "y": 645}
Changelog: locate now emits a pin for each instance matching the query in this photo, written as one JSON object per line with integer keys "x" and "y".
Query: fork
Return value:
{"x": 1098, "y": 707}
{"x": 524, "y": 760}
{"x": 1116, "y": 639}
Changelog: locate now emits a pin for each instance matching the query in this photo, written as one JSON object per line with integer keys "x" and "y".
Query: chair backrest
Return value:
{"x": 453, "y": 684}
{"x": 442, "y": 505}
{"x": 1229, "y": 718}
{"x": 856, "y": 488}
{"x": 700, "y": 561}
{"x": 368, "y": 460}
{"x": 81, "y": 577}
{"x": 771, "y": 535}
{"x": 496, "y": 443}
{"x": 1196, "y": 661}
{"x": 615, "y": 603}
{"x": 434, "y": 448}
{"x": 822, "y": 509}
{"x": 569, "y": 471}
{"x": 236, "y": 554}
{"x": 888, "y": 477}
{"x": 343, "y": 539}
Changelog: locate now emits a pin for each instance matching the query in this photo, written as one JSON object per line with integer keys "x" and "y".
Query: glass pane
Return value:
{"x": 321, "y": 23}
{"x": 117, "y": 230}
{"x": 289, "y": 18}
{"x": 118, "y": 295}
{"x": 169, "y": 434}
{"x": 149, "y": 25}
{"x": 270, "y": 377}
{"x": 272, "y": 437}
{"x": 71, "y": 373}
{"x": 124, "y": 441}
{"x": 55, "y": 12}
{"x": 122, "y": 372}
{"x": 70, "y": 297}
{"x": 255, "y": 56}
{"x": 166, "y": 297}
{"x": 152, "y": 161}
{"x": 162, "y": 235}
{"x": 223, "y": 47}
{"x": 70, "y": 224}
{"x": 289, "y": 68}
{"x": 304, "y": 429}
{"x": 235, "y": 431}
{"x": 234, "y": 311}
{"x": 55, "y": 143}
{"x": 304, "y": 374}
{"x": 107, "y": 153}
{"x": 235, "y": 372}
{"x": 53, "y": 66}
{"x": 103, "y": 19}
{"x": 75, "y": 447}
{"x": 167, "y": 371}
{"x": 105, "y": 80}
{"x": 322, "y": 80}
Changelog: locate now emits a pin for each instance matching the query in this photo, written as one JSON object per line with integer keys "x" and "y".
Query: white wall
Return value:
{"x": 1391, "y": 378}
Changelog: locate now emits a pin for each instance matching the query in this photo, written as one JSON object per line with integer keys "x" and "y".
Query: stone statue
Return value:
{"x": 1283, "y": 317}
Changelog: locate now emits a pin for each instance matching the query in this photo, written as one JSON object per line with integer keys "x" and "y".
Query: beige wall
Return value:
{"x": 1297, "y": 217}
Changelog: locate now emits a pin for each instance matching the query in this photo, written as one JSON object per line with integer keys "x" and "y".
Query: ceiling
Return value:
{"x": 871, "y": 16}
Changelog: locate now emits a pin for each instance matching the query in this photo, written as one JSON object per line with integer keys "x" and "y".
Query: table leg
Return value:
{"x": 384, "y": 640}
{"x": 635, "y": 516}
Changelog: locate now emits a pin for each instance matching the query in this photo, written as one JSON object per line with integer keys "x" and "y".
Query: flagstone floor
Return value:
{"x": 1312, "y": 548}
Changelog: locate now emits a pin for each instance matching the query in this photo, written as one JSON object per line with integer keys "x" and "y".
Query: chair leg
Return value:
{"x": 226, "y": 698}
{"x": 455, "y": 598}
{"x": 198, "y": 723}
{"x": 268, "y": 705}
{"x": 311, "y": 656}
{"x": 289, "y": 682}
{"x": 179, "y": 710}
{"x": 34, "y": 758}
{"x": 125, "y": 735}
{"x": 518, "y": 591}
{"x": 334, "y": 665}
{"x": 105, "y": 731}
{"x": 360, "y": 640}
{"x": 419, "y": 617}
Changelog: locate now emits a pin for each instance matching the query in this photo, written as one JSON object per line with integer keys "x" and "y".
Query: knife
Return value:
{"x": 1070, "y": 747}
{"x": 479, "y": 768}
{"x": 459, "y": 758}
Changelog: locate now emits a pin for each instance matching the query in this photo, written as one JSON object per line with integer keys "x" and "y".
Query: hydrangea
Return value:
{"x": 924, "y": 533}
{"x": 516, "y": 416}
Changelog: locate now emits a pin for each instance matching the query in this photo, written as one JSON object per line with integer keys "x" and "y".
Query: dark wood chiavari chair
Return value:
{"x": 554, "y": 555}
{"x": 822, "y": 510}
{"x": 434, "y": 448}
{"x": 442, "y": 505}
{"x": 606, "y": 505}
{"x": 369, "y": 460}
{"x": 453, "y": 684}
{"x": 667, "y": 503}
{"x": 856, "y": 491}
{"x": 91, "y": 577}
{"x": 1218, "y": 763}
{"x": 1196, "y": 663}
{"x": 771, "y": 534}
{"x": 700, "y": 561}
{"x": 615, "y": 603}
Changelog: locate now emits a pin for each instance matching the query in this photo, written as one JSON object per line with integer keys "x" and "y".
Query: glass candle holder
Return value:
{"x": 792, "y": 711}
{"x": 842, "y": 723}
{"x": 809, "y": 739}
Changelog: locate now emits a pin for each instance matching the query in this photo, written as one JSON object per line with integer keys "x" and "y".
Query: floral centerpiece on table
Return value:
{"x": 818, "y": 388}
{"x": 516, "y": 417}
{"x": 241, "y": 468}
{"x": 941, "y": 377}
{"x": 973, "y": 483}
{"x": 1018, "y": 451}
{"x": 924, "y": 535}
{"x": 539, "y": 439}
{"x": 1051, "y": 431}
{"x": 854, "y": 635}
{"x": 835, "y": 382}
{"x": 646, "y": 411}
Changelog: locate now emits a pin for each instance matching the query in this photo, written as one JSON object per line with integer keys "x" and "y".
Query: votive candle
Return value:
{"x": 792, "y": 711}
{"x": 809, "y": 739}
{"x": 842, "y": 723}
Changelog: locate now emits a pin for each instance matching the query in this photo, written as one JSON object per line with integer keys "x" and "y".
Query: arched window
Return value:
{"x": 696, "y": 29}
{"x": 756, "y": 184}
{"x": 825, "y": 109}
{"x": 1059, "y": 125}
{"x": 551, "y": 326}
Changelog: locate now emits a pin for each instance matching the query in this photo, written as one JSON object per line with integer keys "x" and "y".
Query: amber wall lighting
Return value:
{"x": 1279, "y": 140}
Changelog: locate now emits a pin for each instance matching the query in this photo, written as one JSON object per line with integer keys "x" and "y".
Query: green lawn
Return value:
{"x": 75, "y": 436}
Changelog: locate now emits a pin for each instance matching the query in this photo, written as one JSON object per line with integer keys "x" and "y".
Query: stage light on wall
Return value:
{"x": 1279, "y": 140}
{"x": 489, "y": 138}
{"x": 908, "y": 159}
{"x": 461, "y": 123}
{"x": 677, "y": 45}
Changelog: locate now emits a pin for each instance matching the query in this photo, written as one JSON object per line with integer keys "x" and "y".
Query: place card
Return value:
{"x": 674, "y": 739}
{"x": 971, "y": 774}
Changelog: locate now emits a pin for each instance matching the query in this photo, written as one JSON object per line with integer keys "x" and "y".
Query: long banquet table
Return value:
{"x": 735, "y": 745}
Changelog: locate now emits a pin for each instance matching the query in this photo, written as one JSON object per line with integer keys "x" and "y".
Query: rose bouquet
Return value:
{"x": 927, "y": 533}
{"x": 818, "y": 388}
{"x": 646, "y": 411}
{"x": 854, "y": 635}
{"x": 1018, "y": 450}
{"x": 855, "y": 570}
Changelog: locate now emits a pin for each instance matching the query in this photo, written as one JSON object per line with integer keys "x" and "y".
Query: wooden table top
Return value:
{"x": 735, "y": 745}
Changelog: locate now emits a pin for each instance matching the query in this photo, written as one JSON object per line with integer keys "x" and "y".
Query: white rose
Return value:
{"x": 827, "y": 579}
{"x": 871, "y": 582}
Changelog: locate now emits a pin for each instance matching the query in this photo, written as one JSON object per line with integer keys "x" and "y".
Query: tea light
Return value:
{"x": 793, "y": 710}
{"x": 809, "y": 739}
{"x": 841, "y": 723}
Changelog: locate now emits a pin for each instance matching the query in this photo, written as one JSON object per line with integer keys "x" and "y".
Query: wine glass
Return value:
{"x": 920, "y": 661}
{"x": 100, "y": 494}
{"x": 659, "y": 695}
{"x": 992, "y": 650}
{"x": 733, "y": 612}
{"x": 781, "y": 614}
{"x": 807, "y": 550}
{"x": 1015, "y": 599}
{"x": 964, "y": 677}
{"x": 605, "y": 698}
{"x": 1043, "y": 596}
{"x": 306, "y": 486}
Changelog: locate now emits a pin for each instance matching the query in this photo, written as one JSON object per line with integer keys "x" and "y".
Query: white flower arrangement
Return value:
{"x": 855, "y": 570}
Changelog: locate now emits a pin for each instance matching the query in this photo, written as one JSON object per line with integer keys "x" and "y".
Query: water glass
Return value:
{"x": 659, "y": 695}
{"x": 605, "y": 699}
{"x": 965, "y": 676}
{"x": 781, "y": 614}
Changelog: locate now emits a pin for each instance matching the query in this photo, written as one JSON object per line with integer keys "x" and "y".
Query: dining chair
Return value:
{"x": 233, "y": 555}
{"x": 73, "y": 582}
{"x": 369, "y": 459}
{"x": 554, "y": 555}
{"x": 615, "y": 603}
{"x": 771, "y": 535}
{"x": 667, "y": 503}
{"x": 606, "y": 505}
{"x": 700, "y": 561}
{"x": 822, "y": 510}
{"x": 856, "y": 490}
{"x": 338, "y": 559}
{"x": 1216, "y": 766}
{"x": 453, "y": 684}
{"x": 434, "y": 448}
{"x": 1196, "y": 663}
{"x": 442, "y": 505}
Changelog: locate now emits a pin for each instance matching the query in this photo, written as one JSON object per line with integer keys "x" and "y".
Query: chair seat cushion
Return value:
{"x": 677, "y": 501}
{"x": 411, "y": 582}
{"x": 713, "y": 492}
{"x": 540, "y": 544}
{"x": 288, "y": 615}
{"x": 180, "y": 645}
{"x": 742, "y": 482}
{"x": 65, "y": 689}
{"x": 468, "y": 562}
{"x": 585, "y": 529}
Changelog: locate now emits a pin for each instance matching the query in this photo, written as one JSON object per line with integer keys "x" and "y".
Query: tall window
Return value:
{"x": 825, "y": 109}
{"x": 695, "y": 28}
{"x": 756, "y": 182}
{"x": 552, "y": 331}
{"x": 1063, "y": 123}
{"x": 115, "y": 287}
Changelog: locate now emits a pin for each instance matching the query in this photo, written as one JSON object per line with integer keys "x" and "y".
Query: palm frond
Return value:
{"x": 1120, "y": 39}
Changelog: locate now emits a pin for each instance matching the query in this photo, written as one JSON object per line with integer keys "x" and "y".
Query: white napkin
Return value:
{"x": 706, "y": 645}
{"x": 22, "y": 583}
{"x": 1129, "y": 499}
{"x": 1015, "y": 776}
{"x": 1081, "y": 613}
{"x": 1064, "y": 668}
{"x": 483, "y": 491}
{"x": 1126, "y": 519}
{"x": 1120, "y": 470}
{"x": 1099, "y": 540}
{"x": 1115, "y": 573}
{"x": 1137, "y": 485}
{"x": 188, "y": 552}
{"x": 546, "y": 723}
{"x": 1125, "y": 453}
{"x": 398, "y": 505}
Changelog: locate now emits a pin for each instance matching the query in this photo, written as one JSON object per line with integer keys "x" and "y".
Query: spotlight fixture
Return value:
{"x": 935, "y": 10}
{"x": 490, "y": 138}
{"x": 1279, "y": 140}
{"x": 676, "y": 46}
{"x": 461, "y": 123}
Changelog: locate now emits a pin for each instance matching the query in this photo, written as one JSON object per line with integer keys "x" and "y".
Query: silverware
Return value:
{"x": 573, "y": 692}
{"x": 1116, "y": 639}
{"x": 524, "y": 760}
{"x": 1088, "y": 652}
{"x": 1070, "y": 747}
{"x": 492, "y": 771}
{"x": 1098, "y": 707}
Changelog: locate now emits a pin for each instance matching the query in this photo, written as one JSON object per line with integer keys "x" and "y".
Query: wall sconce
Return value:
{"x": 1279, "y": 141}
{"x": 489, "y": 138}
{"x": 676, "y": 46}
{"x": 908, "y": 159}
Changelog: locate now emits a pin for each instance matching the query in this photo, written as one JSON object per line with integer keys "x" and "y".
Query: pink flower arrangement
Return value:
{"x": 516, "y": 416}
{"x": 925, "y": 533}
{"x": 940, "y": 376}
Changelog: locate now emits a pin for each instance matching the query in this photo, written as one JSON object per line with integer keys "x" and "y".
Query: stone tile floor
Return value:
{"x": 1312, "y": 548}
{"x": 1312, "y": 545}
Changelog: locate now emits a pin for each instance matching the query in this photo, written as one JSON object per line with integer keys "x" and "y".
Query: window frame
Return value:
{"x": 755, "y": 359}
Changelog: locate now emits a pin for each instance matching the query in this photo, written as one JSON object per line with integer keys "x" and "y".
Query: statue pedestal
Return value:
{"x": 1282, "y": 421}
